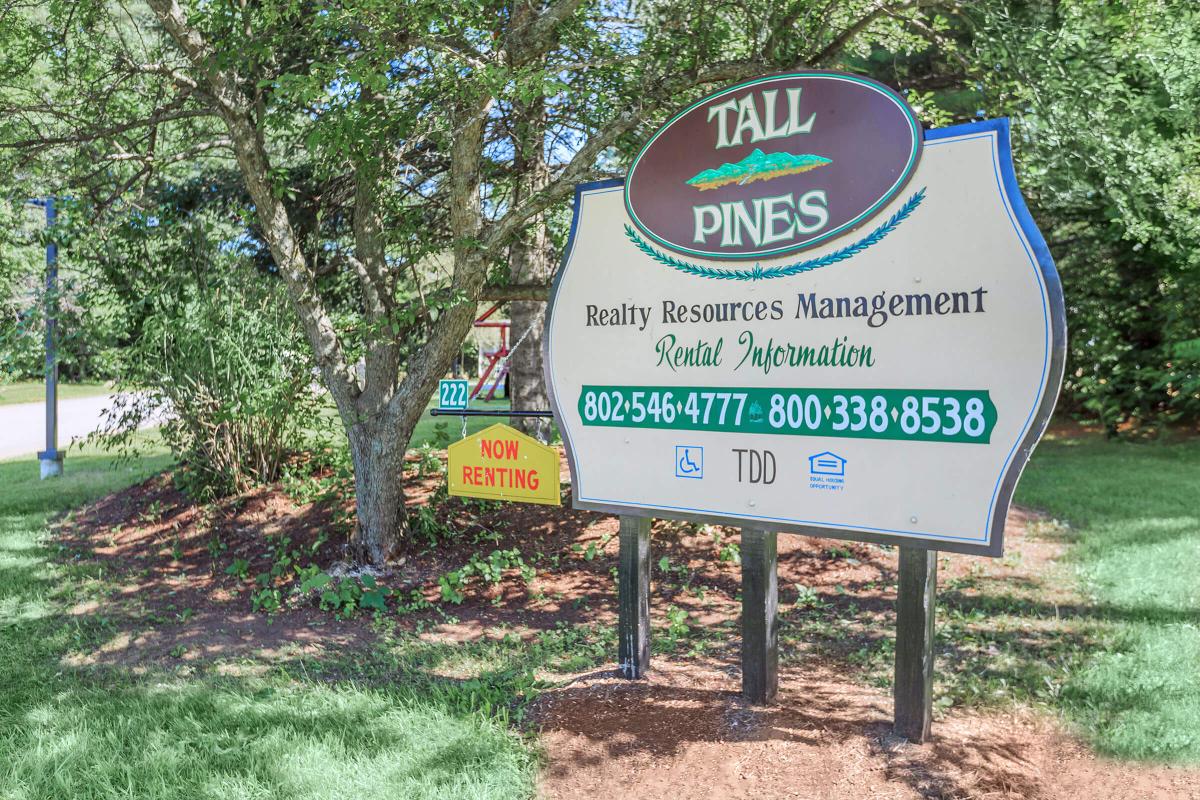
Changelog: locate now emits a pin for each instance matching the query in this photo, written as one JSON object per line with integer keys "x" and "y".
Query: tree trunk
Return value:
{"x": 527, "y": 384}
{"x": 378, "y": 491}
{"x": 530, "y": 263}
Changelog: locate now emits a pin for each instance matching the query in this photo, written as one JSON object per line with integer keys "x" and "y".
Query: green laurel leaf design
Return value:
{"x": 757, "y": 273}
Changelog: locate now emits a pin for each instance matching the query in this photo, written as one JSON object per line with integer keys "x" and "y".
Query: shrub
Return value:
{"x": 222, "y": 363}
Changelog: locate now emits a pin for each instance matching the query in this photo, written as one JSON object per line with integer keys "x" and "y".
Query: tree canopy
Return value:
{"x": 392, "y": 164}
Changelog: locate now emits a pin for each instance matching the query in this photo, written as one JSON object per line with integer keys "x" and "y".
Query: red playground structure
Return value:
{"x": 494, "y": 357}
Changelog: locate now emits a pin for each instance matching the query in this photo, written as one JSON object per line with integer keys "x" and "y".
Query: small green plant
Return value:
{"x": 480, "y": 505}
{"x": 490, "y": 569}
{"x": 452, "y": 586}
{"x": 215, "y": 548}
{"x": 240, "y": 569}
{"x": 321, "y": 538}
{"x": 347, "y": 596}
{"x": 416, "y": 602}
{"x": 267, "y": 598}
{"x": 728, "y": 551}
{"x": 373, "y": 595}
{"x": 807, "y": 597}
{"x": 429, "y": 527}
{"x": 311, "y": 581}
{"x": 441, "y": 435}
{"x": 284, "y": 564}
{"x": 596, "y": 548}
{"x": 486, "y": 536}
{"x": 677, "y": 626}
{"x": 342, "y": 598}
{"x": 428, "y": 461}
{"x": 153, "y": 512}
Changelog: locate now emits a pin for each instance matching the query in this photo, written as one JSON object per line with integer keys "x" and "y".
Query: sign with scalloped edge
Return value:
{"x": 887, "y": 384}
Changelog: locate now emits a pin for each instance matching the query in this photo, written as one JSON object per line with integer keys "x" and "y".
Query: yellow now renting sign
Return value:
{"x": 501, "y": 463}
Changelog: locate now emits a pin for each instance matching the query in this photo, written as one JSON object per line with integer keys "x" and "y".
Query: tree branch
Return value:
{"x": 382, "y": 359}
{"x": 534, "y": 37}
{"x": 236, "y": 109}
{"x": 516, "y": 291}
{"x": 470, "y": 267}
{"x": 167, "y": 113}
{"x": 582, "y": 163}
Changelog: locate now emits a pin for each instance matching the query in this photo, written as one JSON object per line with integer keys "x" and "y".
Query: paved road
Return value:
{"x": 23, "y": 425}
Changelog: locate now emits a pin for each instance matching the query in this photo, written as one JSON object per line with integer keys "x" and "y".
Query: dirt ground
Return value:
{"x": 682, "y": 733}
{"x": 685, "y": 734}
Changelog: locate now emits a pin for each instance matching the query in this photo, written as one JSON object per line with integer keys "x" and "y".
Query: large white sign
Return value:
{"x": 887, "y": 385}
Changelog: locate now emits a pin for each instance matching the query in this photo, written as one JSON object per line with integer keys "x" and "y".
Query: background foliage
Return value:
{"x": 1105, "y": 98}
{"x": 210, "y": 349}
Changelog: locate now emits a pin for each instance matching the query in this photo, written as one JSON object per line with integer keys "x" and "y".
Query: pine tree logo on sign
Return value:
{"x": 776, "y": 147}
{"x": 800, "y": 312}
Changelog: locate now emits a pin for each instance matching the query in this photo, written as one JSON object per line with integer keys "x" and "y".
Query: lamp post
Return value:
{"x": 51, "y": 459}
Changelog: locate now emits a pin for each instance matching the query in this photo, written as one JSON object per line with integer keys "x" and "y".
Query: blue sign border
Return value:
{"x": 989, "y": 540}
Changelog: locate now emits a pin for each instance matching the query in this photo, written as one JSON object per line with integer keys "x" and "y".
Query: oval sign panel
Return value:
{"x": 773, "y": 165}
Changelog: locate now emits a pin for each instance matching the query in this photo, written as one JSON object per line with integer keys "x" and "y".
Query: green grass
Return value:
{"x": 35, "y": 391}
{"x": 1134, "y": 514}
{"x": 1109, "y": 637}
{"x": 426, "y": 430}
{"x": 374, "y": 726}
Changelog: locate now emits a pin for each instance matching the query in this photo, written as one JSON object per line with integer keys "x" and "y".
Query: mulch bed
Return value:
{"x": 170, "y": 556}
{"x": 683, "y": 733}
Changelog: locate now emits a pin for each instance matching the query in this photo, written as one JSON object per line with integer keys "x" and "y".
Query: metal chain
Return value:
{"x": 505, "y": 365}
{"x": 536, "y": 321}
{"x": 539, "y": 423}
{"x": 511, "y": 350}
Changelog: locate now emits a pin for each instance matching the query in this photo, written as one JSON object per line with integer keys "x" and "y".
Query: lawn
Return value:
{"x": 427, "y": 429}
{"x": 35, "y": 391}
{"x": 430, "y": 430}
{"x": 381, "y": 727}
{"x": 1112, "y": 649}
{"x": 1133, "y": 511}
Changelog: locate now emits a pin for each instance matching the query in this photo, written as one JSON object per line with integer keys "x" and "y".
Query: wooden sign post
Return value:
{"x": 760, "y": 601}
{"x": 916, "y": 599}
{"x": 633, "y": 597}
{"x": 802, "y": 313}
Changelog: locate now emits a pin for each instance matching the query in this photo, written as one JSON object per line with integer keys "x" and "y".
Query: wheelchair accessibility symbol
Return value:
{"x": 689, "y": 461}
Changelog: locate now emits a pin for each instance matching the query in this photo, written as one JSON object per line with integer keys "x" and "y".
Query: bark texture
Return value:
{"x": 531, "y": 262}
{"x": 377, "y": 453}
{"x": 378, "y": 407}
{"x": 531, "y": 258}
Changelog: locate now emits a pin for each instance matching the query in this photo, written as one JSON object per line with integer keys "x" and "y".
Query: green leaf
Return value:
{"x": 318, "y": 581}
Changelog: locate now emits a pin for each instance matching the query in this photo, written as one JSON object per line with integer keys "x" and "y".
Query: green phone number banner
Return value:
{"x": 920, "y": 415}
